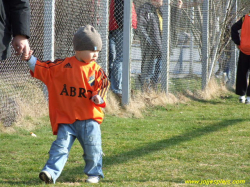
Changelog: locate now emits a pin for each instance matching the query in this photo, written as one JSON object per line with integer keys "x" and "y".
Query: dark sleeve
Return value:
{"x": 235, "y": 31}
{"x": 143, "y": 23}
{"x": 175, "y": 24}
{"x": 119, "y": 12}
{"x": 176, "y": 15}
{"x": 20, "y": 17}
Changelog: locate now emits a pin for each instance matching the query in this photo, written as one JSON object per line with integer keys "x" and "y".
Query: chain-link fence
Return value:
{"x": 53, "y": 24}
{"x": 199, "y": 40}
{"x": 174, "y": 48}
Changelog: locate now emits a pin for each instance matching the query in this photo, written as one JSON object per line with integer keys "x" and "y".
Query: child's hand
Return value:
{"x": 26, "y": 57}
{"x": 97, "y": 99}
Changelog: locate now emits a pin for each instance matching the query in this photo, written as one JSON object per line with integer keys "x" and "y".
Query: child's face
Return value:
{"x": 87, "y": 56}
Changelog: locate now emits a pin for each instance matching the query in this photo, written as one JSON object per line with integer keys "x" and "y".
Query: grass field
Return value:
{"x": 205, "y": 142}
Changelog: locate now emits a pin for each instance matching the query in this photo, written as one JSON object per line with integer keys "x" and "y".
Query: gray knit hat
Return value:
{"x": 87, "y": 38}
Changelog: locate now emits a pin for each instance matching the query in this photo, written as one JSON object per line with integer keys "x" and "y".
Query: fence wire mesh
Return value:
{"x": 186, "y": 69}
{"x": 51, "y": 38}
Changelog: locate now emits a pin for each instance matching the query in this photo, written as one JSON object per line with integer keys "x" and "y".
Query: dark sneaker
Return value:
{"x": 46, "y": 177}
{"x": 93, "y": 179}
{"x": 242, "y": 101}
{"x": 247, "y": 102}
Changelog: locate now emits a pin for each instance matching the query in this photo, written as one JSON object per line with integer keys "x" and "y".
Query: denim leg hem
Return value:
{"x": 101, "y": 176}
{"x": 117, "y": 92}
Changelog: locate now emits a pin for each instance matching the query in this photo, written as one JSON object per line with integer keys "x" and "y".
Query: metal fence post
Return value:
{"x": 49, "y": 30}
{"x": 126, "y": 52}
{"x": 191, "y": 42}
{"x": 205, "y": 43}
{"x": 104, "y": 27}
{"x": 165, "y": 45}
{"x": 105, "y": 42}
{"x": 233, "y": 60}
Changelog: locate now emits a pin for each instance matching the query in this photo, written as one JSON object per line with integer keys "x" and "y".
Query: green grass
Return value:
{"x": 181, "y": 85}
{"x": 176, "y": 85}
{"x": 199, "y": 140}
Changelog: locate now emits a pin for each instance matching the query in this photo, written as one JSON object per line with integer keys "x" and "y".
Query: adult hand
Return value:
{"x": 21, "y": 45}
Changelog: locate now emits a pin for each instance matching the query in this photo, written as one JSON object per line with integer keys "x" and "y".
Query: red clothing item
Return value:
{"x": 71, "y": 85}
{"x": 134, "y": 17}
{"x": 245, "y": 35}
{"x": 113, "y": 25}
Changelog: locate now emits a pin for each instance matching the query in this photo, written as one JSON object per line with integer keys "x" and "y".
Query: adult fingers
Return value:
{"x": 18, "y": 48}
{"x": 26, "y": 49}
{"x": 21, "y": 45}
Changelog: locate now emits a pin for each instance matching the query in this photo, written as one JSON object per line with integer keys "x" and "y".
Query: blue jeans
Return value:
{"x": 115, "y": 60}
{"x": 88, "y": 134}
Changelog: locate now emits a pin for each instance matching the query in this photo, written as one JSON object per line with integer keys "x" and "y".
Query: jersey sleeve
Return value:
{"x": 42, "y": 71}
{"x": 101, "y": 86}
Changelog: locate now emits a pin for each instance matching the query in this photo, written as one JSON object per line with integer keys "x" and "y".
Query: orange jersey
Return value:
{"x": 245, "y": 35}
{"x": 71, "y": 85}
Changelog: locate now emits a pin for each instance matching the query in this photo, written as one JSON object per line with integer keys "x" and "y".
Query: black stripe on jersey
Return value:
{"x": 56, "y": 62}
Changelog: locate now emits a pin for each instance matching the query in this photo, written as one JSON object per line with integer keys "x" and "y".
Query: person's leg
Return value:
{"x": 242, "y": 75}
{"x": 59, "y": 151}
{"x": 157, "y": 71}
{"x": 112, "y": 52}
{"x": 144, "y": 50}
{"x": 227, "y": 61}
{"x": 116, "y": 74}
{"x": 220, "y": 60}
{"x": 89, "y": 136}
{"x": 248, "y": 77}
{"x": 148, "y": 66}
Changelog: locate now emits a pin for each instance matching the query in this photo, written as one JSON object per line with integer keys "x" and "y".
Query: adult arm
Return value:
{"x": 235, "y": 31}
{"x": 20, "y": 17}
{"x": 142, "y": 24}
{"x": 20, "y": 24}
{"x": 176, "y": 13}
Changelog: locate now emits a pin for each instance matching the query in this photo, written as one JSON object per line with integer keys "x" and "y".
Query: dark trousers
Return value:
{"x": 242, "y": 85}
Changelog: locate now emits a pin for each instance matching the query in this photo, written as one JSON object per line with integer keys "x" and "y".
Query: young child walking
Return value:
{"x": 77, "y": 88}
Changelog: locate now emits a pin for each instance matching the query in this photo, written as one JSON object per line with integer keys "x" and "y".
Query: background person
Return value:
{"x": 116, "y": 43}
{"x": 150, "y": 27}
{"x": 243, "y": 43}
{"x": 224, "y": 59}
{"x": 14, "y": 22}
